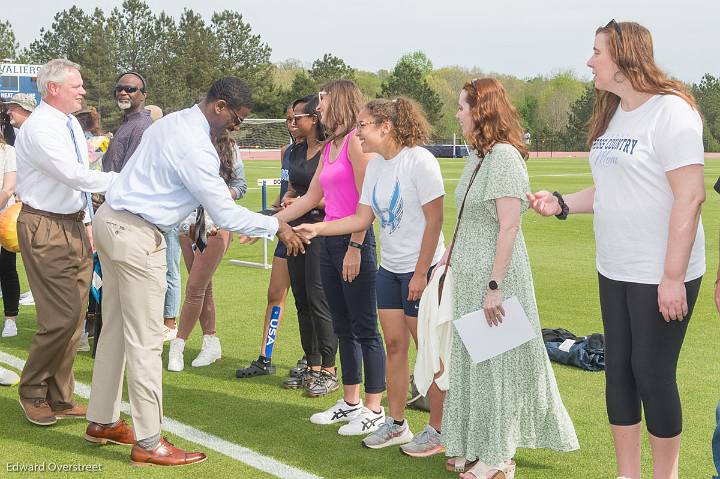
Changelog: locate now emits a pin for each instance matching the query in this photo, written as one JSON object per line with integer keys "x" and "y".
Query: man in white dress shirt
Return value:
{"x": 55, "y": 183}
{"x": 174, "y": 169}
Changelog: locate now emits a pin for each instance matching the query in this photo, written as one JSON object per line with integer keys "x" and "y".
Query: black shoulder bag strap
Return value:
{"x": 457, "y": 227}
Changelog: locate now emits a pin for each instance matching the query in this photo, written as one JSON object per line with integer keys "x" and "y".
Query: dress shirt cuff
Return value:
{"x": 87, "y": 219}
{"x": 272, "y": 226}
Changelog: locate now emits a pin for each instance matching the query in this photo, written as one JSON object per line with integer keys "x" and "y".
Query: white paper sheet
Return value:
{"x": 484, "y": 342}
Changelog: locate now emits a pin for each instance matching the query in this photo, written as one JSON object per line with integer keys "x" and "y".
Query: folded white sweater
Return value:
{"x": 434, "y": 332}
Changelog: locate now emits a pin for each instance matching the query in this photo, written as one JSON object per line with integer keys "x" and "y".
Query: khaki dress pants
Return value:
{"x": 132, "y": 257}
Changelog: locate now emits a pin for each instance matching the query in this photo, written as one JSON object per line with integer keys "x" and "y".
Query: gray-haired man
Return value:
{"x": 55, "y": 183}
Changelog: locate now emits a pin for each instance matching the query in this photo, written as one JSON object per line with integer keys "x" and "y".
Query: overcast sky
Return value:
{"x": 520, "y": 37}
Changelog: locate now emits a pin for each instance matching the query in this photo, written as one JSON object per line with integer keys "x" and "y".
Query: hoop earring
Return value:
{"x": 615, "y": 77}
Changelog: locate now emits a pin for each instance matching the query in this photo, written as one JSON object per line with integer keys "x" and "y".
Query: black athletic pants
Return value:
{"x": 9, "y": 282}
{"x": 641, "y": 355}
{"x": 317, "y": 336}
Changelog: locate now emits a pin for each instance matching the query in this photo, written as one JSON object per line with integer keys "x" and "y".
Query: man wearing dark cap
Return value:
{"x": 130, "y": 94}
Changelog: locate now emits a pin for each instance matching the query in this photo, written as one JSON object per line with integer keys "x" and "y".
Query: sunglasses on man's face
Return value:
{"x": 235, "y": 117}
{"x": 127, "y": 89}
{"x": 615, "y": 25}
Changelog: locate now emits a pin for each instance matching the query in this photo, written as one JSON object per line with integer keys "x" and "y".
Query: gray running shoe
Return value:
{"x": 424, "y": 444}
{"x": 388, "y": 434}
{"x": 307, "y": 377}
{"x": 324, "y": 383}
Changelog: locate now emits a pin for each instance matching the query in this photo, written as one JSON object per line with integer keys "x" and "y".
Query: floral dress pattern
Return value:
{"x": 511, "y": 400}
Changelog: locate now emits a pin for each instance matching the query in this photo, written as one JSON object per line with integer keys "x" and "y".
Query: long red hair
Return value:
{"x": 632, "y": 51}
{"x": 494, "y": 117}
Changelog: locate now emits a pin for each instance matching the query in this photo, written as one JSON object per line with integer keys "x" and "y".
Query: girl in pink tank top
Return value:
{"x": 348, "y": 266}
{"x": 337, "y": 179}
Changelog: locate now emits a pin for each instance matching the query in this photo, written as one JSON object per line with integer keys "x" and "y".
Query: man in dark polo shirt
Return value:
{"x": 130, "y": 94}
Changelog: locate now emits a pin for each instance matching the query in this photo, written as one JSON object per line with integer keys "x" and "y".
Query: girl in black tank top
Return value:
{"x": 302, "y": 169}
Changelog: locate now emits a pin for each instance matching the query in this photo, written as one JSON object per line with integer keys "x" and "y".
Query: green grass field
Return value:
{"x": 260, "y": 415}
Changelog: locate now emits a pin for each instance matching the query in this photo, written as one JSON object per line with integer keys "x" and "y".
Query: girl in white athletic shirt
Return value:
{"x": 403, "y": 188}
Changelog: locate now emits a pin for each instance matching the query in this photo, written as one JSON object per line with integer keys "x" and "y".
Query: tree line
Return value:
{"x": 181, "y": 57}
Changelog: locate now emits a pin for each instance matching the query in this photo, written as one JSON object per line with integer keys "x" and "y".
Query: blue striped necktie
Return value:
{"x": 88, "y": 199}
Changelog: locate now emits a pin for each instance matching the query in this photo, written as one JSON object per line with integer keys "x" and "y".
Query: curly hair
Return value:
{"x": 410, "y": 127}
{"x": 225, "y": 147}
{"x": 495, "y": 119}
{"x": 632, "y": 52}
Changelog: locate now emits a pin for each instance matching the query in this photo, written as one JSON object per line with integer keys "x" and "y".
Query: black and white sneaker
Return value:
{"x": 364, "y": 423}
{"x": 338, "y": 412}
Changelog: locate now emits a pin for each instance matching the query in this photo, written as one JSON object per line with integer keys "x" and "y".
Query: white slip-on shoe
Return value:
{"x": 364, "y": 423}
{"x": 338, "y": 412}
{"x": 176, "y": 361}
{"x": 210, "y": 352}
{"x": 10, "y": 329}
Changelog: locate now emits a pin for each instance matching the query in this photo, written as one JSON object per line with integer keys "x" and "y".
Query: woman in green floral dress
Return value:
{"x": 511, "y": 400}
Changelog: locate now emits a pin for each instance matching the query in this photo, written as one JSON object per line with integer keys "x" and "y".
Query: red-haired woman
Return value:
{"x": 647, "y": 164}
{"x": 511, "y": 400}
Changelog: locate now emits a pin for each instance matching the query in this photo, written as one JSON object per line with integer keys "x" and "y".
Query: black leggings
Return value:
{"x": 641, "y": 356}
{"x": 317, "y": 337}
{"x": 9, "y": 282}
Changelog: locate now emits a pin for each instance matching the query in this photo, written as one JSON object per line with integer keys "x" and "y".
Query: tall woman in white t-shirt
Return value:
{"x": 403, "y": 188}
{"x": 8, "y": 270}
{"x": 647, "y": 164}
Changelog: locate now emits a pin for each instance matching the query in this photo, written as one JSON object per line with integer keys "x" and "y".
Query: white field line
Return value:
{"x": 208, "y": 441}
{"x": 534, "y": 175}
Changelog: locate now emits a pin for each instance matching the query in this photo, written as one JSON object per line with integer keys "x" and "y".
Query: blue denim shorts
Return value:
{"x": 392, "y": 291}
{"x": 280, "y": 250}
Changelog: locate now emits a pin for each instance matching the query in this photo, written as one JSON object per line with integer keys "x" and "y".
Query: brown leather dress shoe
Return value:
{"x": 76, "y": 412}
{"x": 38, "y": 411}
{"x": 118, "y": 433}
{"x": 164, "y": 454}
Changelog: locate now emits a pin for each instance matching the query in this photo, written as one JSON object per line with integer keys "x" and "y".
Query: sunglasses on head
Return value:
{"x": 615, "y": 25}
{"x": 127, "y": 89}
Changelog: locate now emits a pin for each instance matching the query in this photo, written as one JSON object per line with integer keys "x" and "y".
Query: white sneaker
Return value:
{"x": 339, "y": 412}
{"x": 10, "y": 329}
{"x": 176, "y": 361}
{"x": 364, "y": 423}
{"x": 169, "y": 333}
{"x": 209, "y": 353}
{"x": 27, "y": 299}
{"x": 8, "y": 378}
{"x": 84, "y": 344}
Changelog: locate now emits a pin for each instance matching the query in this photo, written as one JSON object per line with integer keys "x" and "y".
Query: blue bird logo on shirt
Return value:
{"x": 389, "y": 217}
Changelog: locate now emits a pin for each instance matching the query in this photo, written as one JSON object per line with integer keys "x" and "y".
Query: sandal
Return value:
{"x": 256, "y": 368}
{"x": 459, "y": 464}
{"x": 505, "y": 470}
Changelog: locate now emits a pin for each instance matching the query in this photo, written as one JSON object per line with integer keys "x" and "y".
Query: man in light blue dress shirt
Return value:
{"x": 174, "y": 169}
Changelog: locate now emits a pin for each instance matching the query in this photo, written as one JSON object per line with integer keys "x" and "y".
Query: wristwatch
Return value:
{"x": 492, "y": 285}
{"x": 355, "y": 244}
